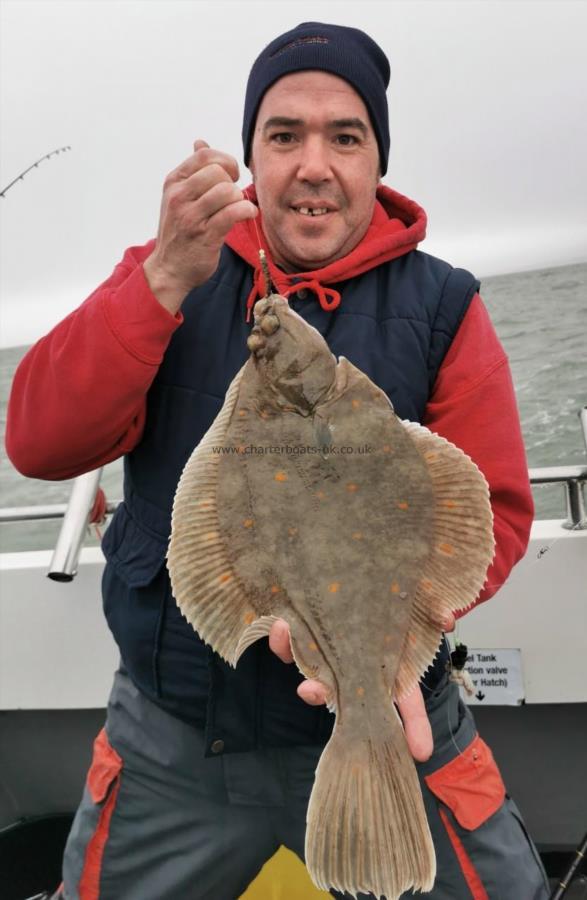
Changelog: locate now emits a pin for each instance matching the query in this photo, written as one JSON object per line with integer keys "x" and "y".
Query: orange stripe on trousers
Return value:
{"x": 89, "y": 886}
{"x": 470, "y": 873}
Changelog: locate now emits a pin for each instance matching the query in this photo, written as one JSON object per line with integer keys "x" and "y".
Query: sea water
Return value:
{"x": 541, "y": 319}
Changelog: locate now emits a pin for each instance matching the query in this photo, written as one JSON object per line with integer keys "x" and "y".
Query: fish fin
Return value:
{"x": 367, "y": 830}
{"x": 204, "y": 583}
{"x": 258, "y": 629}
{"x": 463, "y": 547}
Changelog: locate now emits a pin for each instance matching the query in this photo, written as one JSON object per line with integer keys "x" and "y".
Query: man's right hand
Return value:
{"x": 201, "y": 203}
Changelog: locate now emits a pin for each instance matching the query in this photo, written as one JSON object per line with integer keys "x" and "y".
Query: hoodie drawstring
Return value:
{"x": 328, "y": 298}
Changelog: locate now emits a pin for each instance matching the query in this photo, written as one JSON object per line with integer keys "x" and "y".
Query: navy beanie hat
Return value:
{"x": 347, "y": 52}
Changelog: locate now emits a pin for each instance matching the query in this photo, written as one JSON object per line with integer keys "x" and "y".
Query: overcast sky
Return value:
{"x": 488, "y": 127}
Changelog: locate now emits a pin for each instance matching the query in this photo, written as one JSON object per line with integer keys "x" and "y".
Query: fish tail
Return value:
{"x": 367, "y": 829}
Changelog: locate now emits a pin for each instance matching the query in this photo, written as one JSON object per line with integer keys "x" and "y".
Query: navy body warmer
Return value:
{"x": 396, "y": 323}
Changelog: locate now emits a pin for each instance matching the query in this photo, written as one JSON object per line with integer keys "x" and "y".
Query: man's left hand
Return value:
{"x": 411, "y": 709}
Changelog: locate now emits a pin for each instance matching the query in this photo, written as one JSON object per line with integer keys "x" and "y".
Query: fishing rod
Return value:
{"x": 565, "y": 882}
{"x": 35, "y": 165}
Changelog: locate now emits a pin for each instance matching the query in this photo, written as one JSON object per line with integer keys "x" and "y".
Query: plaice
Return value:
{"x": 309, "y": 500}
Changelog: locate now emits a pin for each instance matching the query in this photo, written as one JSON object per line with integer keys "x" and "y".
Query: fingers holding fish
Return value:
{"x": 280, "y": 642}
{"x": 449, "y": 622}
{"x": 314, "y": 692}
{"x": 416, "y": 725}
{"x": 200, "y": 204}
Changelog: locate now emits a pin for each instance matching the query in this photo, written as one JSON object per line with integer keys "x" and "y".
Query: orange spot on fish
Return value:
{"x": 275, "y": 589}
{"x": 431, "y": 455}
{"x": 292, "y": 531}
{"x": 387, "y": 448}
{"x": 241, "y": 448}
{"x": 312, "y": 645}
{"x": 449, "y": 504}
{"x": 387, "y": 639}
{"x": 334, "y": 587}
{"x": 394, "y": 588}
{"x": 447, "y": 549}
{"x": 402, "y": 505}
{"x": 263, "y": 414}
{"x": 352, "y": 487}
{"x": 205, "y": 503}
{"x": 321, "y": 495}
{"x": 242, "y": 413}
{"x": 426, "y": 584}
{"x": 355, "y": 404}
{"x": 211, "y": 536}
{"x": 248, "y": 523}
{"x": 412, "y": 638}
{"x": 226, "y": 576}
{"x": 249, "y": 617}
{"x": 360, "y": 692}
{"x": 280, "y": 476}
{"x": 357, "y": 535}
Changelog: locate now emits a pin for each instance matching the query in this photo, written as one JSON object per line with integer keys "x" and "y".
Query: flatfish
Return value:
{"x": 308, "y": 499}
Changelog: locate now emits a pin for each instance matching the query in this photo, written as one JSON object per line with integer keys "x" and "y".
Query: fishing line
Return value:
{"x": 263, "y": 251}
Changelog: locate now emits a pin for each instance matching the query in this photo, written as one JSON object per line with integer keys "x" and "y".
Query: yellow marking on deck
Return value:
{"x": 394, "y": 587}
{"x": 226, "y": 576}
{"x": 360, "y": 692}
{"x": 352, "y": 487}
{"x": 280, "y": 476}
{"x": 333, "y": 588}
{"x": 403, "y": 505}
{"x": 447, "y": 549}
{"x": 248, "y": 523}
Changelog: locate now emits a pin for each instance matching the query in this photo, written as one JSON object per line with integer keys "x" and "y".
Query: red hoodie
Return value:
{"x": 78, "y": 398}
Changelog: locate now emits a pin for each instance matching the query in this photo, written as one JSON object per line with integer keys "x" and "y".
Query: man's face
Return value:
{"x": 315, "y": 163}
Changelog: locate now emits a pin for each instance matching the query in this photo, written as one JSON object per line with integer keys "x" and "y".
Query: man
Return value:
{"x": 203, "y": 771}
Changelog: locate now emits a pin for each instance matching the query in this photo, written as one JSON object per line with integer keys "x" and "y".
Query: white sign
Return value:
{"x": 496, "y": 676}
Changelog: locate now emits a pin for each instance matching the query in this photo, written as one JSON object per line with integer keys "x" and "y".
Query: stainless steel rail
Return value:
{"x": 38, "y": 513}
{"x": 573, "y": 478}
{"x": 576, "y": 476}
{"x": 73, "y": 530}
